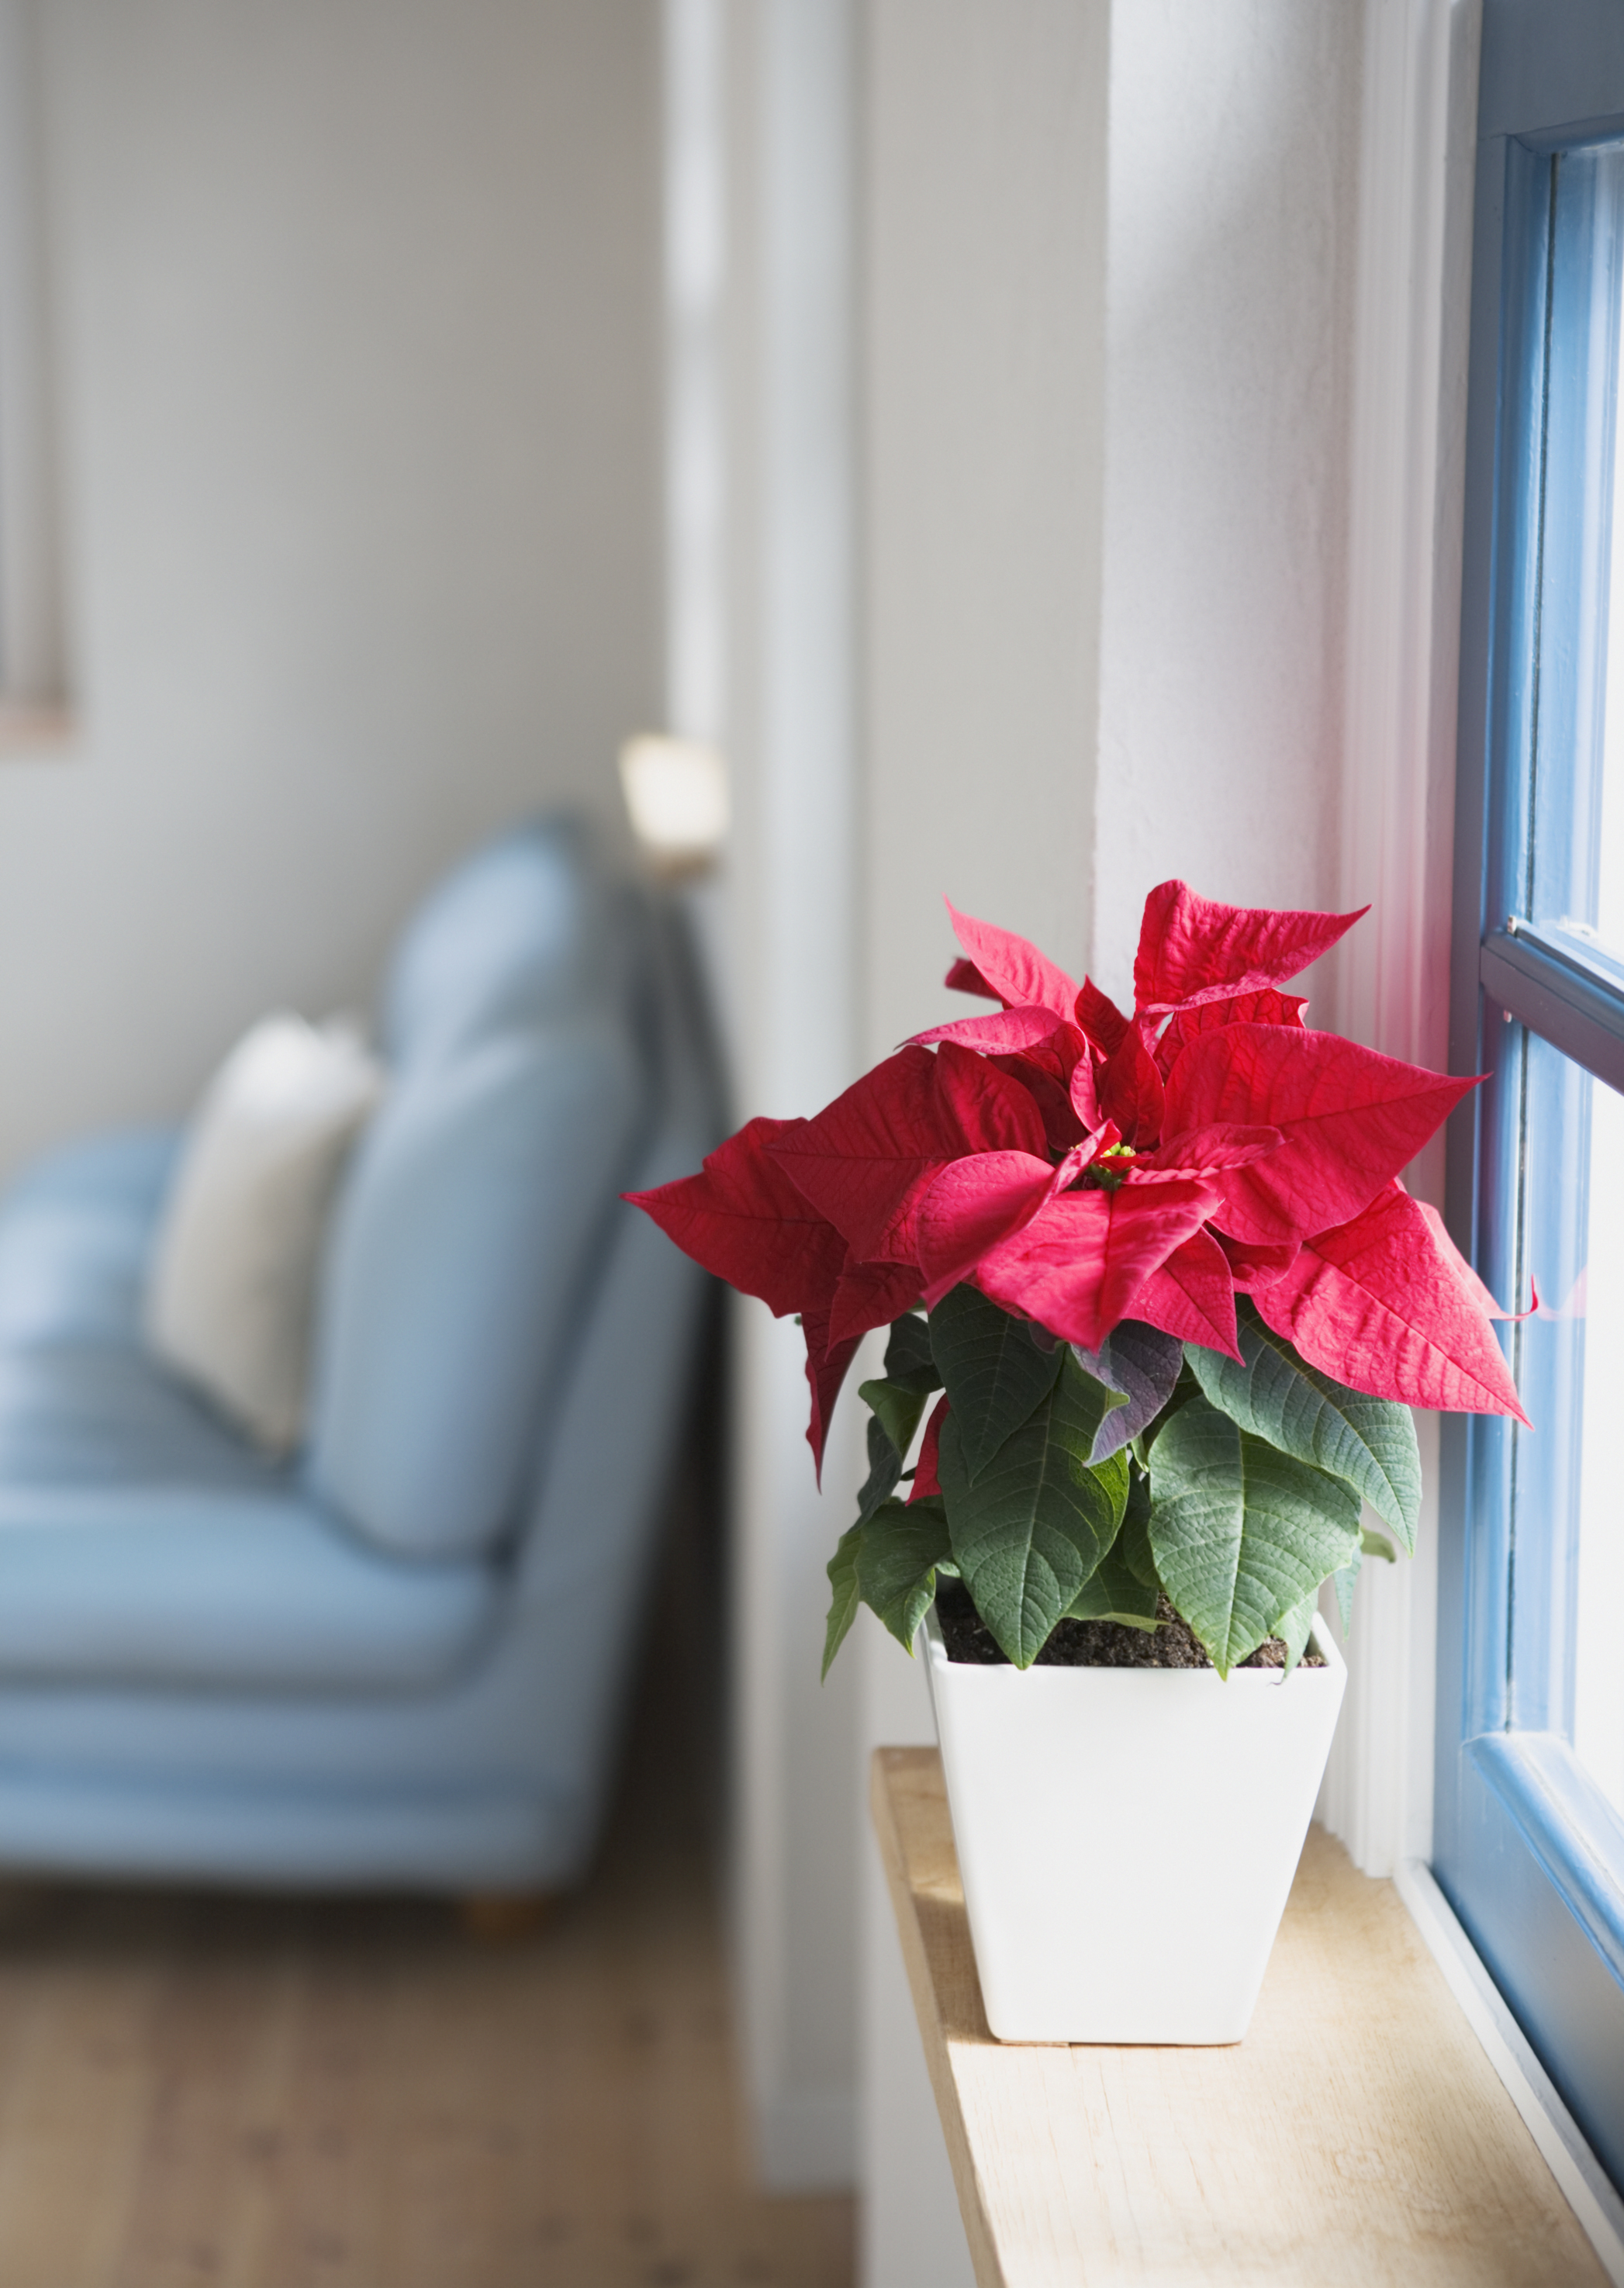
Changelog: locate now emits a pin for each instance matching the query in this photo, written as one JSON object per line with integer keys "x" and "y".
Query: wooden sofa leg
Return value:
{"x": 499, "y": 1918}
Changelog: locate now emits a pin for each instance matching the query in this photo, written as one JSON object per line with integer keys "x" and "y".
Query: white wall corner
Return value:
{"x": 1408, "y": 414}
{"x": 693, "y": 218}
{"x": 911, "y": 2234}
{"x": 1233, "y": 142}
{"x": 760, "y": 656}
{"x": 794, "y": 1871}
{"x": 33, "y": 635}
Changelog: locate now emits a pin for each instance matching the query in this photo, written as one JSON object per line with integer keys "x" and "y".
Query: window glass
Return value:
{"x": 1608, "y": 918}
{"x": 1570, "y": 761}
{"x": 1565, "y": 1491}
{"x": 1598, "y": 1303}
{"x": 1545, "y": 1102}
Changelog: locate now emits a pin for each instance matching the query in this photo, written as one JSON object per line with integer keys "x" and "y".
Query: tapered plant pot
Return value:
{"x": 1128, "y": 1836}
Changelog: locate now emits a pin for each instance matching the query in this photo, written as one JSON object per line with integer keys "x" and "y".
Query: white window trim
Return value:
{"x": 761, "y": 659}
{"x": 1408, "y": 427}
{"x": 1576, "y": 2169}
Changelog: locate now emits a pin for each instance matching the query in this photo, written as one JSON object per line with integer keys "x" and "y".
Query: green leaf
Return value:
{"x": 896, "y": 1563}
{"x": 1111, "y": 1401}
{"x": 1346, "y": 1579}
{"x": 1132, "y": 1547}
{"x": 1112, "y": 1474}
{"x": 1371, "y": 1545}
{"x": 1184, "y": 1390}
{"x": 908, "y": 1359}
{"x": 1143, "y": 1362}
{"x": 1029, "y": 1530}
{"x": 884, "y": 1469}
{"x": 1293, "y": 1628}
{"x": 995, "y": 1375}
{"x": 1241, "y": 1532}
{"x": 1112, "y": 1593}
{"x": 898, "y": 1409}
{"x": 1369, "y": 1441}
{"x": 841, "y": 1569}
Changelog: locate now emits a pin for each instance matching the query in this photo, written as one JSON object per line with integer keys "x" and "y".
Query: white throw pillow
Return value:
{"x": 231, "y": 1289}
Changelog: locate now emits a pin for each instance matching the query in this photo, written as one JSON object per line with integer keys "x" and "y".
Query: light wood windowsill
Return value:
{"x": 1358, "y": 2137}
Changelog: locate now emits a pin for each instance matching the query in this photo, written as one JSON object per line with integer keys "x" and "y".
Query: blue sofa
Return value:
{"x": 398, "y": 1660}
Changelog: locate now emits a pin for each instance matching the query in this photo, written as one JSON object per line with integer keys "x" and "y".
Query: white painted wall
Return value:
{"x": 1234, "y": 208}
{"x": 985, "y": 176}
{"x": 790, "y": 929}
{"x": 1112, "y": 262}
{"x": 1111, "y": 269}
{"x": 356, "y": 311}
{"x": 1412, "y": 334}
{"x": 985, "y": 381}
{"x": 33, "y": 665}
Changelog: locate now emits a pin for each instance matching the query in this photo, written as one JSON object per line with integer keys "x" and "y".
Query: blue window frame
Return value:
{"x": 1529, "y": 1831}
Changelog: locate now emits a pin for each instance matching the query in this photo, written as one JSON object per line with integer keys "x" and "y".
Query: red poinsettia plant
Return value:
{"x": 1159, "y": 1268}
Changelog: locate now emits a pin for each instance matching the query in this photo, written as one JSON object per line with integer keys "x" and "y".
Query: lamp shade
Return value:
{"x": 676, "y": 793}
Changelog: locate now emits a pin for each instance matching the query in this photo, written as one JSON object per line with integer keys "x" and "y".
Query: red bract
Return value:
{"x": 1351, "y": 1120}
{"x": 1081, "y": 1166}
{"x": 1006, "y": 1033}
{"x": 744, "y": 1218}
{"x": 1251, "y": 1267}
{"x": 1059, "y": 1075}
{"x": 1099, "y": 1017}
{"x": 1376, "y": 1304}
{"x": 1192, "y": 1296}
{"x": 972, "y": 1206}
{"x": 1478, "y": 1294}
{"x": 1204, "y": 1152}
{"x": 1265, "y": 1008}
{"x": 1082, "y": 1090}
{"x": 870, "y": 1295}
{"x": 1079, "y": 1265}
{"x": 925, "y": 1480}
{"x": 1017, "y": 974}
{"x": 1131, "y": 1090}
{"x": 964, "y": 977}
{"x": 1195, "y": 949}
{"x": 827, "y": 1362}
{"x": 864, "y": 1161}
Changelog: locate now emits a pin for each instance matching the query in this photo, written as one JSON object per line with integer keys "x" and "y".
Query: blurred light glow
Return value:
{"x": 676, "y": 793}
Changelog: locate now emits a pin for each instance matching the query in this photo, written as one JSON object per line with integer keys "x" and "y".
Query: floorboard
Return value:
{"x": 198, "y": 2089}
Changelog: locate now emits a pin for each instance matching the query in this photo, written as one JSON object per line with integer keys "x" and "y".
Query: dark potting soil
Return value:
{"x": 1094, "y": 1644}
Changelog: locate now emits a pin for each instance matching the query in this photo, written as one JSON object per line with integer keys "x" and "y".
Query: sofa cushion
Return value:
{"x": 74, "y": 1232}
{"x": 250, "y": 1590}
{"x": 515, "y": 936}
{"x": 104, "y": 1414}
{"x": 459, "y": 1251}
{"x": 231, "y": 1287}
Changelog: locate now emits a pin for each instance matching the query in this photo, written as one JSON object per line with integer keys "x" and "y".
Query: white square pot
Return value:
{"x": 1128, "y": 1836}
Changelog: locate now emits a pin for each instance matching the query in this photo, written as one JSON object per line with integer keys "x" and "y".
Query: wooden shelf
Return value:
{"x": 1359, "y": 2136}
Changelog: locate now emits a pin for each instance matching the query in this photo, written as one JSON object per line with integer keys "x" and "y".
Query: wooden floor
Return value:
{"x": 199, "y": 2090}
